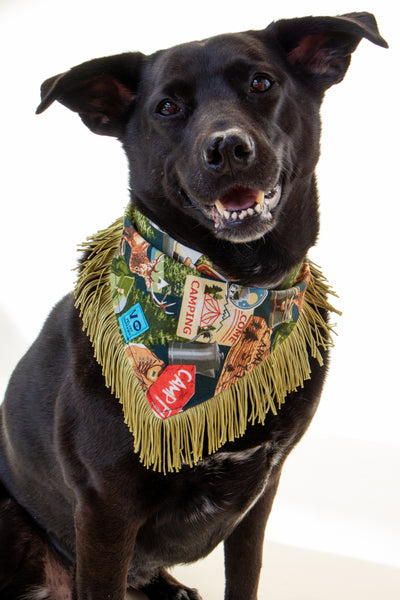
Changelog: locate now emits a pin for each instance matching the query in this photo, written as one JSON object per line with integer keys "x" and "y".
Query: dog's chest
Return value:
{"x": 204, "y": 506}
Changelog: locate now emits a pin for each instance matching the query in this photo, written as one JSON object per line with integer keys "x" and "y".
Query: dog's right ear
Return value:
{"x": 319, "y": 48}
{"x": 102, "y": 91}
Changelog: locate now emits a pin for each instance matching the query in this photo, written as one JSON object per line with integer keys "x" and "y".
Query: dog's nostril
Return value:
{"x": 213, "y": 156}
{"x": 242, "y": 152}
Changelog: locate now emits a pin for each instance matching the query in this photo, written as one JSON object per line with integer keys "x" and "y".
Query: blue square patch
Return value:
{"x": 133, "y": 323}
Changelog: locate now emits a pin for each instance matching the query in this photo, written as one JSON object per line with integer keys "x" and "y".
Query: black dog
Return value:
{"x": 206, "y": 126}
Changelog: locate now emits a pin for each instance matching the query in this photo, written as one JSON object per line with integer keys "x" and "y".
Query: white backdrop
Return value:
{"x": 60, "y": 183}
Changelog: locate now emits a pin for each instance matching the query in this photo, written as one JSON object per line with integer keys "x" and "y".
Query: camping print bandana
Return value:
{"x": 188, "y": 333}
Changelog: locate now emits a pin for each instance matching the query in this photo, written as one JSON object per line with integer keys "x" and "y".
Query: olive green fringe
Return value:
{"x": 166, "y": 445}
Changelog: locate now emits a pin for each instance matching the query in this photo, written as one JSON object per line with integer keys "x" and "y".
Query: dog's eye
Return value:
{"x": 166, "y": 108}
{"x": 260, "y": 83}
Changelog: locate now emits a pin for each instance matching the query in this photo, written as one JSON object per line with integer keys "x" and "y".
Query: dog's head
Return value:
{"x": 222, "y": 135}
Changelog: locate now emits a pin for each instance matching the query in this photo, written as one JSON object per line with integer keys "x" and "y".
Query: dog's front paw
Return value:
{"x": 165, "y": 587}
{"x": 186, "y": 594}
{"x": 154, "y": 592}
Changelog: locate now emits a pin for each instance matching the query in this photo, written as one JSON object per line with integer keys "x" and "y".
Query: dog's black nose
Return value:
{"x": 230, "y": 149}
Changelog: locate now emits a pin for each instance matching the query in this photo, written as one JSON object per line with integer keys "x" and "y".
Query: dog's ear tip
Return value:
{"x": 368, "y": 20}
{"x": 48, "y": 92}
{"x": 44, "y": 104}
{"x": 41, "y": 108}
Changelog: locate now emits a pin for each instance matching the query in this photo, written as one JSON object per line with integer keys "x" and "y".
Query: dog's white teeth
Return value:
{"x": 220, "y": 207}
{"x": 264, "y": 203}
{"x": 241, "y": 215}
{"x": 260, "y": 198}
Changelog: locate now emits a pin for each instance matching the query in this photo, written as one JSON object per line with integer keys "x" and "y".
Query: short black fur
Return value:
{"x": 204, "y": 125}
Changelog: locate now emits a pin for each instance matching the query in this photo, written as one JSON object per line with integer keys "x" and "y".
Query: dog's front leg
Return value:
{"x": 244, "y": 547}
{"x": 105, "y": 539}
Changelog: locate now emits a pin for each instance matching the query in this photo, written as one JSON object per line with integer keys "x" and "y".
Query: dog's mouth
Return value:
{"x": 240, "y": 204}
{"x": 243, "y": 214}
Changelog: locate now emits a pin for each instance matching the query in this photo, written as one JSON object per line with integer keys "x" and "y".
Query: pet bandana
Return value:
{"x": 188, "y": 353}
{"x": 190, "y": 335}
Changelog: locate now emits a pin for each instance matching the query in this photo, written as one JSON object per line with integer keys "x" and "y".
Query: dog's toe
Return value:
{"x": 154, "y": 592}
{"x": 165, "y": 587}
{"x": 188, "y": 594}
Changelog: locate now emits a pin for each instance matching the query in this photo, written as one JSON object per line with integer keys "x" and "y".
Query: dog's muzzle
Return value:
{"x": 240, "y": 211}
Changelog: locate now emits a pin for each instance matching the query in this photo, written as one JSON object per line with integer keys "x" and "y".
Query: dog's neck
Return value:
{"x": 265, "y": 262}
{"x": 153, "y": 234}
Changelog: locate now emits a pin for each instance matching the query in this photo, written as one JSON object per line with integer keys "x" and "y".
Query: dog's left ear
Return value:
{"x": 102, "y": 91}
{"x": 321, "y": 47}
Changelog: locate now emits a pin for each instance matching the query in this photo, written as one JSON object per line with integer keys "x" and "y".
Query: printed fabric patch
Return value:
{"x": 133, "y": 323}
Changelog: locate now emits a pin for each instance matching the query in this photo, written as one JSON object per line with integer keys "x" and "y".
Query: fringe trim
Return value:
{"x": 166, "y": 445}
